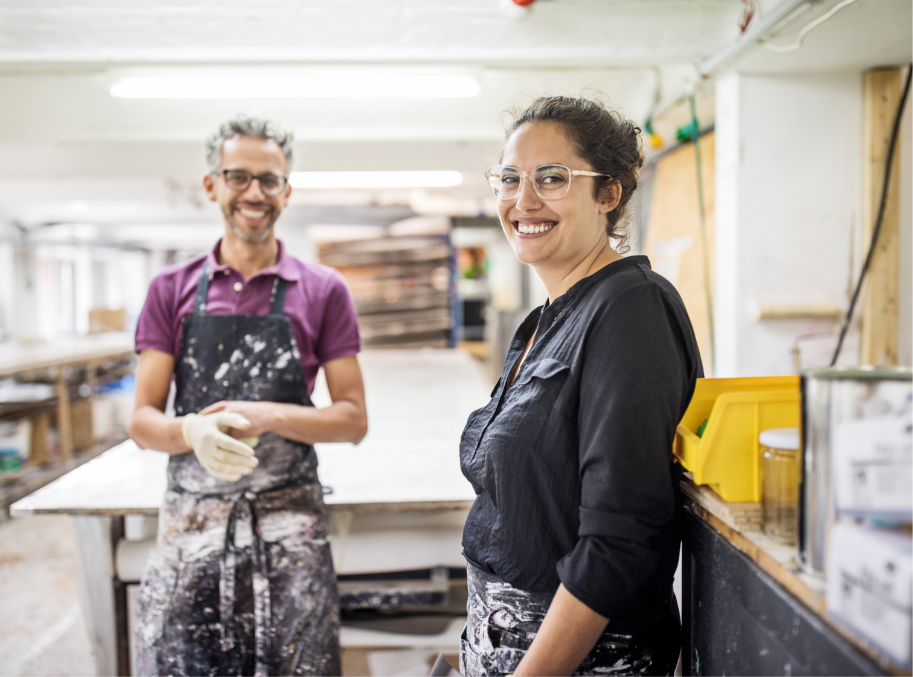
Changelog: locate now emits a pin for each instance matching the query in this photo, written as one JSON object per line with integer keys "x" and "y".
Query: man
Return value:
{"x": 241, "y": 581}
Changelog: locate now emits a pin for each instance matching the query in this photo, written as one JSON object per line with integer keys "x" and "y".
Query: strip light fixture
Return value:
{"x": 339, "y": 86}
{"x": 436, "y": 179}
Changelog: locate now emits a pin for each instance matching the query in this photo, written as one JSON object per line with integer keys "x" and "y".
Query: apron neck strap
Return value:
{"x": 199, "y": 305}
{"x": 277, "y": 297}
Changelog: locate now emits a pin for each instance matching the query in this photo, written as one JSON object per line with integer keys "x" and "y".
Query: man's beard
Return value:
{"x": 244, "y": 237}
{"x": 241, "y": 235}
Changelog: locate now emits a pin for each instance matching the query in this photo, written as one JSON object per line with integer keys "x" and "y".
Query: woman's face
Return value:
{"x": 571, "y": 226}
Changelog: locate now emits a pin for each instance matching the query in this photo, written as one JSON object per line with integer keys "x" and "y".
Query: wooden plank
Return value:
{"x": 742, "y": 516}
{"x": 882, "y": 89}
{"x": 673, "y": 239}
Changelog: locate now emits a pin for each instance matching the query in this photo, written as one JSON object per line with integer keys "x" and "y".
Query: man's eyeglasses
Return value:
{"x": 551, "y": 182}
{"x": 239, "y": 180}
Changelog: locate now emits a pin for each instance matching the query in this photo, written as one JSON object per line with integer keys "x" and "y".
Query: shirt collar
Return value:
{"x": 284, "y": 267}
{"x": 551, "y": 310}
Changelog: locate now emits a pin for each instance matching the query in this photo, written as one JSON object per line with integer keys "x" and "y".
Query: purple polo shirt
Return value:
{"x": 317, "y": 301}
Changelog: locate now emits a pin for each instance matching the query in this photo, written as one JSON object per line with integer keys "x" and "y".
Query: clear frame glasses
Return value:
{"x": 551, "y": 182}
{"x": 239, "y": 180}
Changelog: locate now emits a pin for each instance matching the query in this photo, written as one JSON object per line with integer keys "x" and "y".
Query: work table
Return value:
{"x": 748, "y": 608}
{"x": 127, "y": 480}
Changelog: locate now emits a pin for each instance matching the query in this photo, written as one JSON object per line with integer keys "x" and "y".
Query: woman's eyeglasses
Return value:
{"x": 239, "y": 180}
{"x": 550, "y": 182}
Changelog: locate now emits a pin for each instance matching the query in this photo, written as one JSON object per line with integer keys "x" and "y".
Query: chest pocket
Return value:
{"x": 529, "y": 402}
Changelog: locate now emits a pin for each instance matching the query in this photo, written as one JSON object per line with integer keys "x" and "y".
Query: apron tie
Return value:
{"x": 260, "y": 582}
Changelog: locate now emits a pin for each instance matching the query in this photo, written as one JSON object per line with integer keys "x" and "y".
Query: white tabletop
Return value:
{"x": 18, "y": 357}
{"x": 418, "y": 401}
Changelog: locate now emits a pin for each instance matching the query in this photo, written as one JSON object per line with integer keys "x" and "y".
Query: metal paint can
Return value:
{"x": 830, "y": 396}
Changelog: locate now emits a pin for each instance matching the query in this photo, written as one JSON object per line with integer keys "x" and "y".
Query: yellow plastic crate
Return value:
{"x": 727, "y": 456}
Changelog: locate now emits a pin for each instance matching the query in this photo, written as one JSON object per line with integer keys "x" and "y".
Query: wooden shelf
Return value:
{"x": 738, "y": 523}
{"x": 401, "y": 288}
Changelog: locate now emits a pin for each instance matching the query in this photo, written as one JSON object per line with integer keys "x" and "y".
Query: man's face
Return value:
{"x": 249, "y": 214}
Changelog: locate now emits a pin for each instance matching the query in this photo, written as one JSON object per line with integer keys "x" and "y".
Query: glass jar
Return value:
{"x": 780, "y": 473}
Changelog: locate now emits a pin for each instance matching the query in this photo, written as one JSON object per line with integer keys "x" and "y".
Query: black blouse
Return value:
{"x": 571, "y": 464}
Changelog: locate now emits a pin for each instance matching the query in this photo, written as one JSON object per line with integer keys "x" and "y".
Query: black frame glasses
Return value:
{"x": 239, "y": 180}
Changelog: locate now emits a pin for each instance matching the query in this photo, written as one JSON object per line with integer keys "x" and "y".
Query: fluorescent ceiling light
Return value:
{"x": 375, "y": 179}
{"x": 339, "y": 86}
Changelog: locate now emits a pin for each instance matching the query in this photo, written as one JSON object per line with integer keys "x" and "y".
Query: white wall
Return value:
{"x": 788, "y": 196}
{"x": 7, "y": 289}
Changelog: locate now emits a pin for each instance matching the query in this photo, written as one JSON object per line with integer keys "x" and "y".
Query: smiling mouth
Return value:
{"x": 252, "y": 213}
{"x": 534, "y": 229}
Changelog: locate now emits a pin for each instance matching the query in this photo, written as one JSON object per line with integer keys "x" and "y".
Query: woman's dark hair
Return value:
{"x": 605, "y": 139}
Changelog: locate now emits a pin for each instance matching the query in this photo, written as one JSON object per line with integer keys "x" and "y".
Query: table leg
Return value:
{"x": 64, "y": 423}
{"x": 97, "y": 591}
{"x": 121, "y": 625}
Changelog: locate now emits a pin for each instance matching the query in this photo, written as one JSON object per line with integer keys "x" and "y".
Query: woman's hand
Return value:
{"x": 568, "y": 633}
{"x": 260, "y": 414}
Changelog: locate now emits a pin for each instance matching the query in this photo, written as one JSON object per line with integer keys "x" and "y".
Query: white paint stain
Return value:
{"x": 283, "y": 360}
{"x": 253, "y": 343}
{"x": 237, "y": 355}
{"x": 255, "y": 371}
{"x": 190, "y": 360}
{"x": 222, "y": 370}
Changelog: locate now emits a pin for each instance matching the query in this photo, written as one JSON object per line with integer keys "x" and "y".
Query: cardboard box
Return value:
{"x": 870, "y": 587}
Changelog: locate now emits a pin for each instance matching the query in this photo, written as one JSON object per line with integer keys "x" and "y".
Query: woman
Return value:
{"x": 573, "y": 539}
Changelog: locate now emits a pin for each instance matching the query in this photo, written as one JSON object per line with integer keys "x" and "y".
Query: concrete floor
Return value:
{"x": 41, "y": 626}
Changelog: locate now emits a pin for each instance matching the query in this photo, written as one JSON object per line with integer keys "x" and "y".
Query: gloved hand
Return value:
{"x": 223, "y": 456}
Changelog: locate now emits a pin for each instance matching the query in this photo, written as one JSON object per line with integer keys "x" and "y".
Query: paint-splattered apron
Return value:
{"x": 241, "y": 581}
{"x": 503, "y": 621}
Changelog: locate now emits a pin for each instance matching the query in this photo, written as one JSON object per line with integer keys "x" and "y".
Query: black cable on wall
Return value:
{"x": 876, "y": 231}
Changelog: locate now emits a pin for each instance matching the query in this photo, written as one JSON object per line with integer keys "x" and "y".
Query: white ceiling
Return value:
{"x": 58, "y": 59}
{"x": 65, "y": 140}
{"x": 552, "y": 34}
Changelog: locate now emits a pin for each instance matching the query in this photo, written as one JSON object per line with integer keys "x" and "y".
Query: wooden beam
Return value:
{"x": 882, "y": 90}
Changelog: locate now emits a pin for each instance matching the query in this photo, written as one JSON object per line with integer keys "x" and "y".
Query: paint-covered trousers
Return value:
{"x": 503, "y": 621}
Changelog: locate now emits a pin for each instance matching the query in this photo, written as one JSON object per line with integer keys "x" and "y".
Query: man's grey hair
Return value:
{"x": 245, "y": 125}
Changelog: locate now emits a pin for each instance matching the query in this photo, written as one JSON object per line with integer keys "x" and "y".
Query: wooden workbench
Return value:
{"x": 748, "y": 608}
{"x": 407, "y": 465}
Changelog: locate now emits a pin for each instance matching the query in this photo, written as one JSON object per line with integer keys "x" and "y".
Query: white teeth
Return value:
{"x": 523, "y": 228}
{"x": 252, "y": 214}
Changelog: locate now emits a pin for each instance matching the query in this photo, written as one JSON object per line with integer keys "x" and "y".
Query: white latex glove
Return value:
{"x": 222, "y": 455}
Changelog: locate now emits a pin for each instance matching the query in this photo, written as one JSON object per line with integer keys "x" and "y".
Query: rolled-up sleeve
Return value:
{"x": 634, "y": 376}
